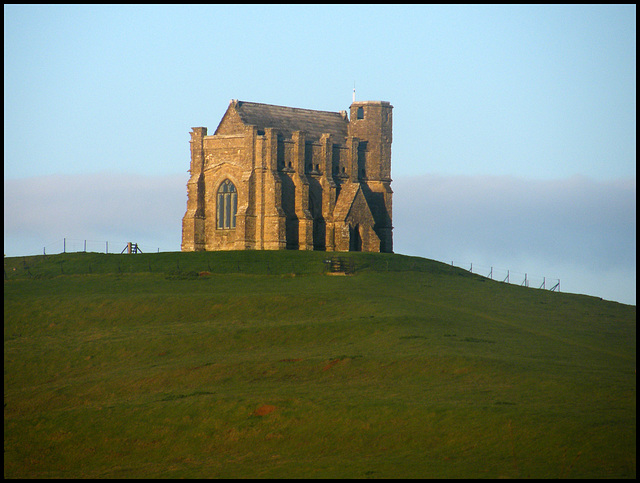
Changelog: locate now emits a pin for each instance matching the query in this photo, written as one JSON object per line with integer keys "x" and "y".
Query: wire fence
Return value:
{"x": 74, "y": 245}
{"x": 511, "y": 276}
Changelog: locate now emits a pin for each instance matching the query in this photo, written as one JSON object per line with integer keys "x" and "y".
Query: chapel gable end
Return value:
{"x": 231, "y": 122}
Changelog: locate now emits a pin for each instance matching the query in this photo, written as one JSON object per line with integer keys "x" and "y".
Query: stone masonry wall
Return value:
{"x": 288, "y": 188}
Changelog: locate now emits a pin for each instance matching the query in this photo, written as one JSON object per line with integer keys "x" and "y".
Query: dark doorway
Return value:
{"x": 355, "y": 240}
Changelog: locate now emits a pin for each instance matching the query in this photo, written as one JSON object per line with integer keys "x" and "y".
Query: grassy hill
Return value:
{"x": 259, "y": 364}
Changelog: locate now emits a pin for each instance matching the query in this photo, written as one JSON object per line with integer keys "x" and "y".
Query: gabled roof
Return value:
{"x": 352, "y": 205}
{"x": 286, "y": 120}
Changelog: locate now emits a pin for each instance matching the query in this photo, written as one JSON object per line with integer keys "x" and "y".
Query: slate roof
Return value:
{"x": 289, "y": 119}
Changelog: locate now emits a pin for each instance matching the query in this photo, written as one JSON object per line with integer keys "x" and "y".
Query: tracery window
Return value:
{"x": 227, "y": 205}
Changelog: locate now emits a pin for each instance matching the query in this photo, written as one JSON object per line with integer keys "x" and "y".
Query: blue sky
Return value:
{"x": 508, "y": 107}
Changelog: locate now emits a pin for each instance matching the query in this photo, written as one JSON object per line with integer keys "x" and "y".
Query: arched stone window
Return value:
{"x": 227, "y": 205}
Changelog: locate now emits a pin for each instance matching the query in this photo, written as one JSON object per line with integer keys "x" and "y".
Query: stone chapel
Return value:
{"x": 275, "y": 178}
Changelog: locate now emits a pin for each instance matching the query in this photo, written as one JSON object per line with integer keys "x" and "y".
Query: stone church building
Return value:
{"x": 274, "y": 178}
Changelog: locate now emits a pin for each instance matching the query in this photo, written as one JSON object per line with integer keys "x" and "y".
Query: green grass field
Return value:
{"x": 260, "y": 365}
